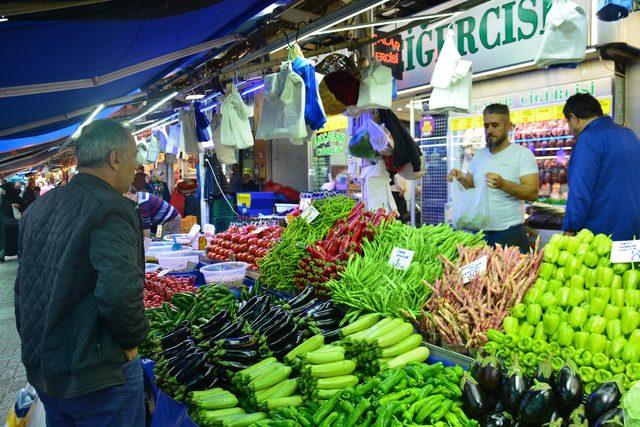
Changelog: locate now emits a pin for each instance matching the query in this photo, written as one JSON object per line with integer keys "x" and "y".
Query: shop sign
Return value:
{"x": 328, "y": 143}
{"x": 492, "y": 35}
{"x": 427, "y": 126}
{"x": 388, "y": 51}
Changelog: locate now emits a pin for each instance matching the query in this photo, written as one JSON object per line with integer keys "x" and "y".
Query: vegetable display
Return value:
{"x": 247, "y": 244}
{"x": 459, "y": 314}
{"x": 369, "y": 283}
{"x": 158, "y": 290}
{"x": 278, "y": 267}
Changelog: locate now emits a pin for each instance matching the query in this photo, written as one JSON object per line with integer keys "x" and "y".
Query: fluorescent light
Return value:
{"x": 156, "y": 124}
{"x": 210, "y": 107}
{"x": 253, "y": 89}
{"x": 399, "y": 108}
{"x": 3, "y": 19}
{"x": 194, "y": 97}
{"x": 88, "y": 120}
{"x": 387, "y": 22}
{"x": 154, "y": 107}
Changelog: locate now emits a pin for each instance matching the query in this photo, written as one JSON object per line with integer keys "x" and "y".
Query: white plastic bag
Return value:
{"x": 235, "y": 127}
{"x": 565, "y": 35}
{"x": 226, "y": 154}
{"x": 379, "y": 137}
{"x": 469, "y": 207}
{"x": 451, "y": 81}
{"x": 153, "y": 149}
{"x": 376, "y": 86}
{"x": 376, "y": 187}
{"x": 446, "y": 63}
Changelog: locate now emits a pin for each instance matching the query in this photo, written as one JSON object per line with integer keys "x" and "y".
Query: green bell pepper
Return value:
{"x": 557, "y": 363}
{"x": 600, "y": 292}
{"x": 558, "y": 240}
{"x": 541, "y": 284}
{"x": 524, "y": 344}
{"x": 604, "y": 276}
{"x": 590, "y": 278}
{"x": 596, "y": 324}
{"x": 578, "y": 317}
{"x": 601, "y": 244}
{"x": 510, "y": 325}
{"x": 611, "y": 312}
{"x": 550, "y": 253}
{"x": 633, "y": 371}
{"x": 571, "y": 245}
{"x": 553, "y": 348}
{"x": 530, "y": 360}
{"x": 631, "y": 279}
{"x": 602, "y": 376}
{"x": 540, "y": 334}
{"x": 617, "y": 297}
{"x": 510, "y": 341}
{"x": 547, "y": 300}
{"x": 550, "y": 321}
{"x": 586, "y": 373}
{"x": 600, "y": 361}
{"x": 614, "y": 329}
{"x": 560, "y": 275}
{"x": 604, "y": 262}
{"x": 526, "y": 330}
{"x": 553, "y": 285}
{"x": 576, "y": 282}
{"x": 546, "y": 270}
{"x": 503, "y": 353}
{"x": 562, "y": 296}
{"x": 538, "y": 346}
{"x": 583, "y": 248}
{"x": 565, "y": 334}
{"x": 532, "y": 295}
{"x": 616, "y": 347}
{"x": 616, "y": 283}
{"x": 562, "y": 258}
{"x": 630, "y": 319}
{"x": 616, "y": 366}
{"x": 580, "y": 340}
{"x": 583, "y": 270}
{"x": 491, "y": 347}
{"x": 583, "y": 357}
{"x": 632, "y": 297}
{"x": 620, "y": 268}
{"x": 634, "y": 338}
{"x": 576, "y": 296}
{"x": 519, "y": 311}
{"x": 534, "y": 314}
{"x": 590, "y": 259}
{"x": 567, "y": 353}
{"x": 585, "y": 236}
{"x": 630, "y": 353}
{"x": 597, "y": 306}
{"x": 597, "y": 343}
{"x": 572, "y": 266}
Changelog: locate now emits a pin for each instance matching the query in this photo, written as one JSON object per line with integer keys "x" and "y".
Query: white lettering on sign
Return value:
{"x": 625, "y": 251}
{"x": 194, "y": 230}
{"x": 401, "y": 258}
{"x": 473, "y": 269}
{"x": 310, "y": 214}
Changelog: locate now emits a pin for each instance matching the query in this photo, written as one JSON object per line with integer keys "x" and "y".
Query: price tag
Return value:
{"x": 163, "y": 272}
{"x": 159, "y": 231}
{"x": 194, "y": 230}
{"x": 474, "y": 269}
{"x": 209, "y": 229}
{"x": 310, "y": 214}
{"x": 401, "y": 258}
{"x": 258, "y": 231}
{"x": 625, "y": 251}
{"x": 191, "y": 265}
{"x": 305, "y": 202}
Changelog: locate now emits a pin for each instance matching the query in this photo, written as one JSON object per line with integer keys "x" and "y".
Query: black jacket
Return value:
{"x": 78, "y": 293}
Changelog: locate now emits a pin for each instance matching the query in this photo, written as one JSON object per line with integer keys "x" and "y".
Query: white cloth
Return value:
{"x": 173, "y": 141}
{"x": 188, "y": 137}
{"x": 282, "y": 115}
{"x": 511, "y": 163}
{"x": 235, "y": 127}
{"x": 565, "y": 35}
{"x": 451, "y": 81}
{"x": 376, "y": 86}
{"x": 225, "y": 153}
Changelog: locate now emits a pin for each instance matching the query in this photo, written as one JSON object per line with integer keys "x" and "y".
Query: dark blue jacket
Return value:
{"x": 604, "y": 181}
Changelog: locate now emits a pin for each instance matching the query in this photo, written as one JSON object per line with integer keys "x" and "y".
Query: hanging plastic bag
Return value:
{"x": 613, "y": 10}
{"x": 360, "y": 145}
{"x": 407, "y": 172}
{"x": 141, "y": 153}
{"x": 376, "y": 86}
{"x": 376, "y": 187}
{"x": 446, "y": 63}
{"x": 457, "y": 96}
{"x": 379, "y": 137}
{"x": 226, "y": 154}
{"x": 153, "y": 150}
{"x": 565, "y": 35}
{"x": 469, "y": 207}
{"x": 235, "y": 127}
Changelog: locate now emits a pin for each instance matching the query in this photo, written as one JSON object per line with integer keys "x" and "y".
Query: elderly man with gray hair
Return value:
{"x": 78, "y": 292}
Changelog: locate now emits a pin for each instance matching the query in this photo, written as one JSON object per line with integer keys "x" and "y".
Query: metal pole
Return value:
{"x": 412, "y": 183}
{"x": 204, "y": 211}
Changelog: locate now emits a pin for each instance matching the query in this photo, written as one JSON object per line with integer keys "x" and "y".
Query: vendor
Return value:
{"x": 154, "y": 211}
{"x": 511, "y": 173}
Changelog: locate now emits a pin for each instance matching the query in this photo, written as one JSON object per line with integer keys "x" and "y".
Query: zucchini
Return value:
{"x": 323, "y": 394}
{"x": 284, "y": 402}
{"x": 395, "y": 336}
{"x": 313, "y": 343}
{"x": 334, "y": 369}
{"x": 329, "y": 348}
{"x": 403, "y": 346}
{"x": 243, "y": 420}
{"x": 418, "y": 354}
{"x": 363, "y": 322}
{"x": 342, "y": 381}
{"x": 218, "y": 401}
{"x": 286, "y": 388}
{"x": 366, "y": 332}
{"x": 321, "y": 357}
{"x": 273, "y": 377}
{"x": 253, "y": 368}
{"x": 221, "y": 413}
{"x": 391, "y": 326}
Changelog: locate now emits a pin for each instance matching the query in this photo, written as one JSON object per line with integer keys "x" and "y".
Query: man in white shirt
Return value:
{"x": 511, "y": 173}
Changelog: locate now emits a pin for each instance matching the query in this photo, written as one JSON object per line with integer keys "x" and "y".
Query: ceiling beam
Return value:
{"x": 26, "y": 7}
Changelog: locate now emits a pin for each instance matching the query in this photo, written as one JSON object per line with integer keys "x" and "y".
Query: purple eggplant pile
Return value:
{"x": 507, "y": 398}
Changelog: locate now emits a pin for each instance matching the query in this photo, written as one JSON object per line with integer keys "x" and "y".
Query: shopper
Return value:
{"x": 511, "y": 173}
{"x": 10, "y": 202}
{"x": 154, "y": 211}
{"x": 235, "y": 181}
{"x": 30, "y": 193}
{"x": 604, "y": 173}
{"x": 78, "y": 291}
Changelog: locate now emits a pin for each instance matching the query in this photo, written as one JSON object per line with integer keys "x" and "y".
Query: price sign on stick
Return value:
{"x": 401, "y": 258}
{"x": 159, "y": 231}
{"x": 473, "y": 269}
{"x": 209, "y": 229}
{"x": 625, "y": 251}
{"x": 194, "y": 230}
{"x": 310, "y": 214}
{"x": 163, "y": 272}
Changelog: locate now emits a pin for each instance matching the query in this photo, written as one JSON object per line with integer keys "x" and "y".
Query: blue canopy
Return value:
{"x": 54, "y": 51}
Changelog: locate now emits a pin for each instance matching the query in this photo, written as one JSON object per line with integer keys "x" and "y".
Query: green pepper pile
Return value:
{"x": 582, "y": 308}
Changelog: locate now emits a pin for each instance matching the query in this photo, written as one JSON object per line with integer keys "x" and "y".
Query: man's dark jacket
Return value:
{"x": 78, "y": 293}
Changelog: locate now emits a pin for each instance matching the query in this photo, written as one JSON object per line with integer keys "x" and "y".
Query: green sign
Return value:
{"x": 328, "y": 143}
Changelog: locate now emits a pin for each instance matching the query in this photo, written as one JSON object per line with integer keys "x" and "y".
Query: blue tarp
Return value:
{"x": 46, "y": 52}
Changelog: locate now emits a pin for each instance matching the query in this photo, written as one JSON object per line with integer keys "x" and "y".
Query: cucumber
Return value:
{"x": 313, "y": 343}
{"x": 271, "y": 378}
{"x": 319, "y": 358}
{"x": 364, "y": 322}
{"x": 403, "y": 346}
{"x": 419, "y": 354}
{"x": 334, "y": 369}
{"x": 395, "y": 336}
{"x": 342, "y": 381}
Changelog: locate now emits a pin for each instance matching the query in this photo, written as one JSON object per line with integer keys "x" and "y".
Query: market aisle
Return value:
{"x": 12, "y": 374}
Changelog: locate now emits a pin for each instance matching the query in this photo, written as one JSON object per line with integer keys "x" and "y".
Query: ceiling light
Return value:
{"x": 253, "y": 89}
{"x": 399, "y": 108}
{"x": 3, "y": 19}
{"x": 388, "y": 22}
{"x": 194, "y": 97}
{"x": 88, "y": 120}
{"x": 154, "y": 107}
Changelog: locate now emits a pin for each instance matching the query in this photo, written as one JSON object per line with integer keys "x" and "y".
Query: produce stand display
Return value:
{"x": 340, "y": 330}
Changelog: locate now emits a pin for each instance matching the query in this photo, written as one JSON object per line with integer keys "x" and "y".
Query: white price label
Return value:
{"x": 305, "y": 202}
{"x": 163, "y": 272}
{"x": 159, "y": 231}
{"x": 194, "y": 230}
{"x": 625, "y": 251}
{"x": 258, "y": 231}
{"x": 401, "y": 258}
{"x": 310, "y": 214}
{"x": 209, "y": 229}
{"x": 473, "y": 269}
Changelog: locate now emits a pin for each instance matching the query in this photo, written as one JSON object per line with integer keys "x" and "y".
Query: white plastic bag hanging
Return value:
{"x": 451, "y": 81}
{"x": 153, "y": 149}
{"x": 376, "y": 86}
{"x": 376, "y": 187}
{"x": 226, "y": 154}
{"x": 235, "y": 127}
{"x": 469, "y": 207}
{"x": 379, "y": 137}
{"x": 565, "y": 35}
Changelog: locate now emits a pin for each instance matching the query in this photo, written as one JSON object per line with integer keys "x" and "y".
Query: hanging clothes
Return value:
{"x": 313, "y": 111}
{"x": 162, "y": 137}
{"x": 613, "y": 10}
{"x": 173, "y": 141}
{"x": 153, "y": 149}
{"x": 405, "y": 149}
{"x": 202, "y": 124}
{"x": 235, "y": 128}
{"x": 282, "y": 115}
{"x": 188, "y": 135}
{"x": 225, "y": 153}
{"x": 376, "y": 86}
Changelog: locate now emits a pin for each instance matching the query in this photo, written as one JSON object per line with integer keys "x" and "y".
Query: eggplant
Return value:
{"x": 513, "y": 388}
{"x": 302, "y": 298}
{"x": 603, "y": 399}
{"x": 555, "y": 418}
{"x": 248, "y": 306}
{"x": 242, "y": 356}
{"x": 188, "y": 372}
{"x": 281, "y": 328}
{"x": 332, "y": 336}
{"x": 239, "y": 342}
{"x": 266, "y": 311}
{"x": 262, "y": 305}
{"x": 174, "y": 337}
{"x": 611, "y": 418}
{"x": 280, "y": 353}
{"x": 490, "y": 375}
{"x": 302, "y": 308}
{"x": 472, "y": 399}
{"x": 234, "y": 366}
{"x": 328, "y": 313}
{"x": 285, "y": 339}
{"x": 536, "y": 405}
{"x": 231, "y": 330}
{"x": 216, "y": 321}
{"x": 272, "y": 323}
{"x": 497, "y": 419}
{"x": 327, "y": 324}
{"x": 544, "y": 373}
{"x": 474, "y": 368}
{"x": 568, "y": 387}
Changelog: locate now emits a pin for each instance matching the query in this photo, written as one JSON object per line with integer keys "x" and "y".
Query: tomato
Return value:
{"x": 250, "y": 259}
{"x": 262, "y": 252}
{"x": 262, "y": 243}
{"x": 241, "y": 257}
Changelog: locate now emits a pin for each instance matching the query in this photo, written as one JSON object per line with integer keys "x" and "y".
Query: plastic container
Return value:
{"x": 151, "y": 267}
{"x": 178, "y": 259}
{"x": 159, "y": 243}
{"x": 166, "y": 247}
{"x": 182, "y": 239}
{"x": 225, "y": 273}
{"x": 256, "y": 203}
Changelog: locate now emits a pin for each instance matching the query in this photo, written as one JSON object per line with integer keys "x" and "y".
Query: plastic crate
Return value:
{"x": 222, "y": 223}
{"x": 220, "y": 208}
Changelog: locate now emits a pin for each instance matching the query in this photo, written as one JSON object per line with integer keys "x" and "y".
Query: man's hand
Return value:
{"x": 129, "y": 355}
{"x": 455, "y": 174}
{"x": 494, "y": 180}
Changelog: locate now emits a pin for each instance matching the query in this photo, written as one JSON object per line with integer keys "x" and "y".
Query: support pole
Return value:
{"x": 412, "y": 183}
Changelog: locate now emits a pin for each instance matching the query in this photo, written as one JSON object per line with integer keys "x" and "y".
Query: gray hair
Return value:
{"x": 98, "y": 139}
{"x": 496, "y": 109}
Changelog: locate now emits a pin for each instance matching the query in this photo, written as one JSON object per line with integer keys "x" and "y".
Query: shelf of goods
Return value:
{"x": 370, "y": 338}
